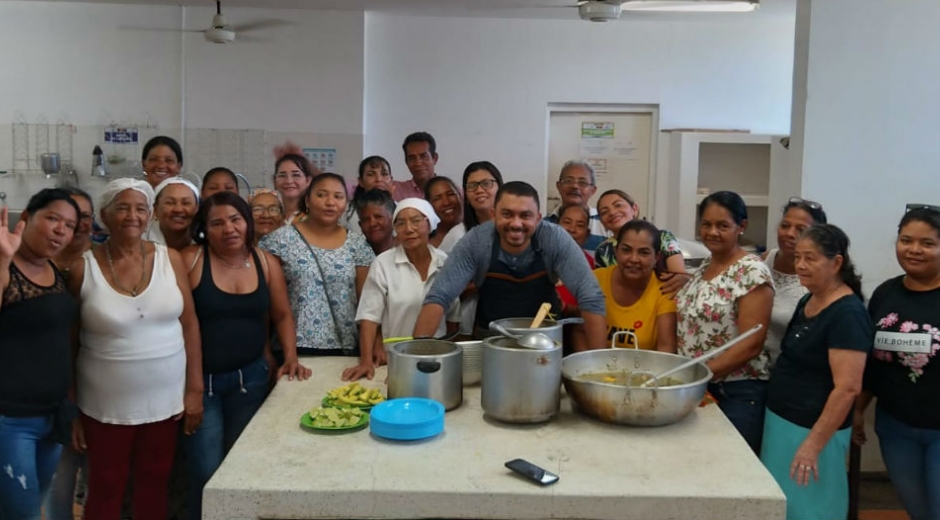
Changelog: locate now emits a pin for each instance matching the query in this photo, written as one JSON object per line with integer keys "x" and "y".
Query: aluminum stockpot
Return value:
{"x": 520, "y": 385}
{"x": 619, "y": 404}
{"x": 429, "y": 368}
{"x": 551, "y": 328}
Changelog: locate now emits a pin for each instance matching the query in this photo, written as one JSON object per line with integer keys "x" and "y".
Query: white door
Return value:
{"x": 618, "y": 145}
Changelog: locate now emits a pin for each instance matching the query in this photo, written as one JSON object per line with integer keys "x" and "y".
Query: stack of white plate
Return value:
{"x": 472, "y": 361}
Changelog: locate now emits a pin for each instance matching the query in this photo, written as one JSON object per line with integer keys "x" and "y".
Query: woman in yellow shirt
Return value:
{"x": 633, "y": 294}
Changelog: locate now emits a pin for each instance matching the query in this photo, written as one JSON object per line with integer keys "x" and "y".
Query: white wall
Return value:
{"x": 83, "y": 63}
{"x": 865, "y": 125}
{"x": 870, "y": 119}
{"x": 482, "y": 86}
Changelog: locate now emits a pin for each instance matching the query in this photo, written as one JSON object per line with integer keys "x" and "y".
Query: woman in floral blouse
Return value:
{"x": 730, "y": 293}
{"x": 903, "y": 372}
{"x": 325, "y": 267}
{"x": 614, "y": 209}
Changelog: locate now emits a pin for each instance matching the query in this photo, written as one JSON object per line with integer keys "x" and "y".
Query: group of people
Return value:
{"x": 198, "y": 300}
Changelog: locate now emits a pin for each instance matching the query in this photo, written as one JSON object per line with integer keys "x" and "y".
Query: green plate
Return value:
{"x": 307, "y": 422}
{"x": 333, "y": 403}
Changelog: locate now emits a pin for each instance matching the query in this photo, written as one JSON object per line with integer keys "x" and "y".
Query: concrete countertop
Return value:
{"x": 699, "y": 468}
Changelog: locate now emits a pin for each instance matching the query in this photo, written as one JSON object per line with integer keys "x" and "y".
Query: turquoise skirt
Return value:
{"x": 823, "y": 499}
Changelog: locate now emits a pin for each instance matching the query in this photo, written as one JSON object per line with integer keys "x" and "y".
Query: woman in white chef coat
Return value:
{"x": 397, "y": 283}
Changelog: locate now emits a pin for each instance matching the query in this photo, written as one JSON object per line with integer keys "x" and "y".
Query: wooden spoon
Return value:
{"x": 540, "y": 316}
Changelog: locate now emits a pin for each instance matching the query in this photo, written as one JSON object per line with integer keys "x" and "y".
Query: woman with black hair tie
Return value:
{"x": 807, "y": 427}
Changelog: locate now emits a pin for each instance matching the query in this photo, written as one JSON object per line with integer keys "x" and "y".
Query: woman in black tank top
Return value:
{"x": 36, "y": 317}
{"x": 238, "y": 291}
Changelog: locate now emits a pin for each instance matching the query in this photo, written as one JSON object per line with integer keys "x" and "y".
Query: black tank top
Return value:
{"x": 35, "y": 345}
{"x": 234, "y": 327}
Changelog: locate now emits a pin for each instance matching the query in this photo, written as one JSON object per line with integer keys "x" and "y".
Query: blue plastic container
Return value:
{"x": 407, "y": 419}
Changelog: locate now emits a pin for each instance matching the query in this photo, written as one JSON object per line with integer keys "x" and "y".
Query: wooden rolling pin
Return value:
{"x": 540, "y": 316}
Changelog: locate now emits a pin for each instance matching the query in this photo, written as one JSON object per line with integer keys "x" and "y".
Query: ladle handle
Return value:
{"x": 540, "y": 315}
{"x": 750, "y": 332}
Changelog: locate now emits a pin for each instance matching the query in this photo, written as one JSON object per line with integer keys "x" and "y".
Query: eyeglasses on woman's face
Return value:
{"x": 486, "y": 185}
{"x": 273, "y": 210}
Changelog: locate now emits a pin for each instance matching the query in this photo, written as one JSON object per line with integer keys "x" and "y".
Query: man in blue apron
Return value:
{"x": 515, "y": 260}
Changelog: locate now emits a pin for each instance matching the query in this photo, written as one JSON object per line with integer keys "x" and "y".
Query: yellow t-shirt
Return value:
{"x": 639, "y": 318}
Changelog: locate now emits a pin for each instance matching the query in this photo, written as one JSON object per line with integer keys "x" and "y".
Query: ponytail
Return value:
{"x": 832, "y": 241}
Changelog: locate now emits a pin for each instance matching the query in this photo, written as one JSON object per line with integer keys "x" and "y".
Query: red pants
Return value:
{"x": 113, "y": 451}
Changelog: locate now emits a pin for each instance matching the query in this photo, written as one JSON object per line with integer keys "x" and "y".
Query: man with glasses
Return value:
{"x": 576, "y": 185}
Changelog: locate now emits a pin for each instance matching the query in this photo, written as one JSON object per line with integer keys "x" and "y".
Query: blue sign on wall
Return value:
{"x": 120, "y": 135}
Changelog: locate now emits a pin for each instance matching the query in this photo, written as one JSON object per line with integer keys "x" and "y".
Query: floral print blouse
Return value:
{"x": 605, "y": 255}
{"x": 708, "y": 312}
{"x": 321, "y": 286}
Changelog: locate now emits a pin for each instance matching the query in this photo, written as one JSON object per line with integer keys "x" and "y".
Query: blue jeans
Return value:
{"x": 229, "y": 402}
{"x": 61, "y": 498}
{"x": 28, "y": 457}
{"x": 743, "y": 402}
{"x": 912, "y": 456}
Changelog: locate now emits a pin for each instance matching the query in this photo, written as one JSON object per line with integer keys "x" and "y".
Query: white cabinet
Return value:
{"x": 694, "y": 164}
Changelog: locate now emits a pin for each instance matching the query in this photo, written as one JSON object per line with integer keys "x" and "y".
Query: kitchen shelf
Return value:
{"x": 756, "y": 166}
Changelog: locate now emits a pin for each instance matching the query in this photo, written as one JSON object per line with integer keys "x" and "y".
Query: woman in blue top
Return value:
{"x": 807, "y": 425}
{"x": 325, "y": 266}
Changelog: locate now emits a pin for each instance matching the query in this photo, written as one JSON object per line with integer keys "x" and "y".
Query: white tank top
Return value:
{"x": 787, "y": 293}
{"x": 131, "y": 367}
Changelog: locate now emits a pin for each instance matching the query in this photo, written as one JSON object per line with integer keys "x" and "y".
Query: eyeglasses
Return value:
{"x": 270, "y": 210}
{"x": 803, "y": 202}
{"x": 486, "y": 185}
{"x": 414, "y": 223}
{"x": 928, "y": 207}
{"x": 570, "y": 181}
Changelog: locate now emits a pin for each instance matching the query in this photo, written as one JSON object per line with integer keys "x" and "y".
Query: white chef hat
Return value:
{"x": 113, "y": 188}
{"x": 421, "y": 205}
{"x": 175, "y": 180}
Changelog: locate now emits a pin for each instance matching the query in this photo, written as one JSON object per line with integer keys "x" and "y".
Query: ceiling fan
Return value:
{"x": 221, "y": 32}
{"x": 606, "y": 10}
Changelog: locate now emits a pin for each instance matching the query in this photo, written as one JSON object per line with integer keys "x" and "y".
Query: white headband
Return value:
{"x": 175, "y": 180}
{"x": 420, "y": 205}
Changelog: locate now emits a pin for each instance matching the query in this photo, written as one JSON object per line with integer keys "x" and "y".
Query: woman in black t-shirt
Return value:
{"x": 903, "y": 372}
{"x": 816, "y": 379}
{"x": 36, "y": 317}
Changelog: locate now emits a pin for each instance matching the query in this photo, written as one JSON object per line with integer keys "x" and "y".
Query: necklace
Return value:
{"x": 143, "y": 269}
{"x": 244, "y": 265}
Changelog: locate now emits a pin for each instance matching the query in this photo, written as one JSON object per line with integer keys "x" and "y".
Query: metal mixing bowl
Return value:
{"x": 619, "y": 404}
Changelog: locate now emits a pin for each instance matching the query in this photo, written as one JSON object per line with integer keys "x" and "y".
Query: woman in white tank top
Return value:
{"x": 139, "y": 367}
{"x": 798, "y": 215}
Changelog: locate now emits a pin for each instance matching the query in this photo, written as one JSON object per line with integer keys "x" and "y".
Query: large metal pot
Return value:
{"x": 551, "y": 328}
{"x": 520, "y": 385}
{"x": 428, "y": 368}
{"x": 619, "y": 404}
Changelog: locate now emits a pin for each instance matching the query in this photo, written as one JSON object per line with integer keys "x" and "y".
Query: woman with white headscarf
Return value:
{"x": 397, "y": 283}
{"x": 175, "y": 204}
{"x": 139, "y": 363}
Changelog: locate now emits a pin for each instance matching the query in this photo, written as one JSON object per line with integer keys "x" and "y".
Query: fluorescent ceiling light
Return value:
{"x": 697, "y": 6}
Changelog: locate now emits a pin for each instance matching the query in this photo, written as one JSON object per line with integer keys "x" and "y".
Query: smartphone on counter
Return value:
{"x": 532, "y": 472}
